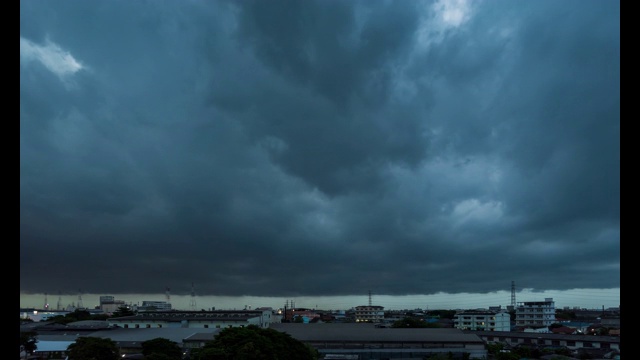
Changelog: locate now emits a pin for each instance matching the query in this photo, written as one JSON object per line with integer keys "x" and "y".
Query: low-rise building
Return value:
{"x": 366, "y": 341}
{"x": 582, "y": 343}
{"x": 148, "y": 305}
{"x": 194, "y": 319}
{"x": 109, "y": 304}
{"x": 482, "y": 320}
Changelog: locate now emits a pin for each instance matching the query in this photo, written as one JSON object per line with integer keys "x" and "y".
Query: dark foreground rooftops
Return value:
{"x": 367, "y": 332}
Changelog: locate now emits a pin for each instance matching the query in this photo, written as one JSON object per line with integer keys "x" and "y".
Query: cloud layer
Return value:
{"x": 290, "y": 148}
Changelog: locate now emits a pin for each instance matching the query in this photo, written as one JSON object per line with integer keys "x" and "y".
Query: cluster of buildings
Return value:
{"x": 356, "y": 332}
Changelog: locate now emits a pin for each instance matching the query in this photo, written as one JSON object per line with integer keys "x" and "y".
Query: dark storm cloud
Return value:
{"x": 319, "y": 147}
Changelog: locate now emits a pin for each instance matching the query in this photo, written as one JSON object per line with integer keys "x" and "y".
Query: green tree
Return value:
{"x": 158, "y": 356}
{"x": 522, "y": 351}
{"x": 443, "y": 314}
{"x": 28, "y": 340}
{"x": 507, "y": 356}
{"x": 254, "y": 343}
{"x": 409, "y": 322}
{"x": 123, "y": 311}
{"x": 79, "y": 315}
{"x": 563, "y": 314}
{"x": 210, "y": 353}
{"x": 440, "y": 356}
{"x": 494, "y": 348}
{"x": 93, "y": 348}
{"x": 76, "y": 315}
{"x": 162, "y": 346}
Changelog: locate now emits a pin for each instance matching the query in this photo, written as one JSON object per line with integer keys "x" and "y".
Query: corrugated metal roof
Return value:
{"x": 173, "y": 334}
{"x": 365, "y": 332}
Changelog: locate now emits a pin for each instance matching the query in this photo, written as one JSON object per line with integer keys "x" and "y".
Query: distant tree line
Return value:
{"x": 77, "y": 315}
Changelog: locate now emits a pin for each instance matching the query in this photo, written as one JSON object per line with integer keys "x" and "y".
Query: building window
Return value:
{"x": 206, "y": 326}
{"x": 126, "y": 326}
{"x": 159, "y": 325}
{"x": 148, "y": 326}
{"x": 137, "y": 326}
{"x": 217, "y": 326}
{"x": 587, "y": 344}
{"x": 571, "y": 343}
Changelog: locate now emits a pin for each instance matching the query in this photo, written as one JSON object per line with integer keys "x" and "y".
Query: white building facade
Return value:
{"x": 482, "y": 320}
{"x": 536, "y": 314}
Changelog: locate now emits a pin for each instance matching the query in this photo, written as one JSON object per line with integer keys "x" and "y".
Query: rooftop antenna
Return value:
{"x": 59, "y": 306}
{"x": 513, "y": 293}
{"x": 369, "y": 297}
{"x": 46, "y": 302}
{"x": 168, "y": 295}
{"x": 192, "y": 303}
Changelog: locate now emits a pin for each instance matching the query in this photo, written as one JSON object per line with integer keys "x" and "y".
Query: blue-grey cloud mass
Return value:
{"x": 301, "y": 148}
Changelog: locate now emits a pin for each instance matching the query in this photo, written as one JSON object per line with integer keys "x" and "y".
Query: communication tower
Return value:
{"x": 192, "y": 303}
{"x": 513, "y": 294}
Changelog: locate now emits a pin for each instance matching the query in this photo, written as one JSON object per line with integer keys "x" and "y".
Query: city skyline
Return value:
{"x": 297, "y": 149}
{"x": 581, "y": 298}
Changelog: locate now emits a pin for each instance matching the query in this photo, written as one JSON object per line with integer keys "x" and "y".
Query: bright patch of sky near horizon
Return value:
{"x": 580, "y": 298}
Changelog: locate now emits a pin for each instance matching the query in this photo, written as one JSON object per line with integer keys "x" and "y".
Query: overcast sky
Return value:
{"x": 306, "y": 148}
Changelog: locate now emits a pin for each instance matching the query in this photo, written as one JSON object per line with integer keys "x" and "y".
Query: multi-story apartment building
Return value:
{"x": 536, "y": 314}
{"x": 482, "y": 320}
{"x": 369, "y": 313}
